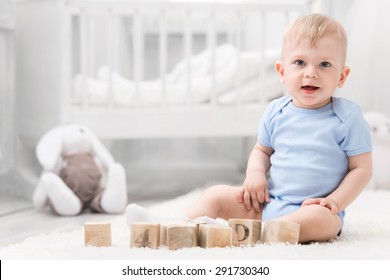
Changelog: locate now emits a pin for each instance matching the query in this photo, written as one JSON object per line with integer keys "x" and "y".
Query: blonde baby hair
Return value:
{"x": 311, "y": 27}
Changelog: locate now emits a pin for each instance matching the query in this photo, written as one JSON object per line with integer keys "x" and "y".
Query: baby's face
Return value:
{"x": 311, "y": 74}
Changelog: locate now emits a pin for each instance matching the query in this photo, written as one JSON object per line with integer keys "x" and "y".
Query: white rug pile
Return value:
{"x": 366, "y": 235}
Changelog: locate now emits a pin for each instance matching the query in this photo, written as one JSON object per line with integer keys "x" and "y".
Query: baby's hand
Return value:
{"x": 325, "y": 202}
{"x": 254, "y": 192}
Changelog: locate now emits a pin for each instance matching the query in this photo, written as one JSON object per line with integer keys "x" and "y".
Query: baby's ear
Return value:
{"x": 280, "y": 68}
{"x": 343, "y": 76}
{"x": 49, "y": 148}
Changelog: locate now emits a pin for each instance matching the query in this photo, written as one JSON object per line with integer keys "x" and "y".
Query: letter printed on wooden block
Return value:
{"x": 245, "y": 231}
{"x": 182, "y": 236}
{"x": 280, "y": 232}
{"x": 214, "y": 236}
{"x": 145, "y": 235}
{"x": 97, "y": 234}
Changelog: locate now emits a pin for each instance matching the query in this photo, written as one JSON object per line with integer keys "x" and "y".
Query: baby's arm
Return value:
{"x": 357, "y": 178}
{"x": 255, "y": 186}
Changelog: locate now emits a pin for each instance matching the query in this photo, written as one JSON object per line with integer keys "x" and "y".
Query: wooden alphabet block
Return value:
{"x": 182, "y": 236}
{"x": 277, "y": 231}
{"x": 164, "y": 229}
{"x": 245, "y": 231}
{"x": 214, "y": 236}
{"x": 145, "y": 235}
{"x": 97, "y": 234}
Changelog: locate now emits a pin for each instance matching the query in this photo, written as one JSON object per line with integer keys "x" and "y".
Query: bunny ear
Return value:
{"x": 49, "y": 148}
{"x": 100, "y": 150}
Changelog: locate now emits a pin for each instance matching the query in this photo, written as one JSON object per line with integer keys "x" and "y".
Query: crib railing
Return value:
{"x": 219, "y": 22}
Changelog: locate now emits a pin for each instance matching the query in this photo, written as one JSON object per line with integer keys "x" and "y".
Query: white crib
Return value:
{"x": 143, "y": 69}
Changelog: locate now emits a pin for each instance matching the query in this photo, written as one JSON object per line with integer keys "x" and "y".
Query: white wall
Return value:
{"x": 6, "y": 87}
{"x": 368, "y": 26}
{"x": 6, "y": 98}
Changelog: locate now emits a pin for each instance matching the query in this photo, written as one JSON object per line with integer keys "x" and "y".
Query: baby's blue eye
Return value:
{"x": 299, "y": 62}
{"x": 324, "y": 64}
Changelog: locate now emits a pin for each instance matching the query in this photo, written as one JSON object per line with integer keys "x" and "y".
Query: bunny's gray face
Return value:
{"x": 76, "y": 139}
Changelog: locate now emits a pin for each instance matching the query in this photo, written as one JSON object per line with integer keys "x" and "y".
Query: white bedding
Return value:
{"x": 366, "y": 235}
{"x": 202, "y": 88}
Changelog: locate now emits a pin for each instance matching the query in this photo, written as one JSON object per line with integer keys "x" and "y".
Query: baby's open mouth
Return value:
{"x": 310, "y": 88}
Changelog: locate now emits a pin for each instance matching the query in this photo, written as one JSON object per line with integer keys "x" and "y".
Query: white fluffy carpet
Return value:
{"x": 366, "y": 235}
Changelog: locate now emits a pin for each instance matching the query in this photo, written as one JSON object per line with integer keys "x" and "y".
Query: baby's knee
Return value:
{"x": 216, "y": 190}
{"x": 318, "y": 212}
{"x": 324, "y": 220}
{"x": 218, "y": 193}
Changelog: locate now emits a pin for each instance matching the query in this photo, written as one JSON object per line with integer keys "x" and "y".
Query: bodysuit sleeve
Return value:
{"x": 356, "y": 134}
{"x": 264, "y": 133}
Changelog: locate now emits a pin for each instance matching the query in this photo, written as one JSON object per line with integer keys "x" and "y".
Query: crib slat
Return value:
{"x": 163, "y": 55}
{"x": 84, "y": 58}
{"x": 111, "y": 35}
{"x": 263, "y": 71}
{"x": 211, "y": 38}
{"x": 91, "y": 41}
{"x": 237, "y": 76}
{"x": 66, "y": 89}
{"x": 187, "y": 56}
{"x": 137, "y": 56}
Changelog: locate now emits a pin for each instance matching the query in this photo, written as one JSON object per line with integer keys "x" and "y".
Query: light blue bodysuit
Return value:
{"x": 311, "y": 150}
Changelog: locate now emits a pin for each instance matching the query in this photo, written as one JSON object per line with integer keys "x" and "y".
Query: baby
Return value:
{"x": 313, "y": 152}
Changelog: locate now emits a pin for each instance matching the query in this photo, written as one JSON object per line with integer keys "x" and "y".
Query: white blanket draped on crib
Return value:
{"x": 248, "y": 76}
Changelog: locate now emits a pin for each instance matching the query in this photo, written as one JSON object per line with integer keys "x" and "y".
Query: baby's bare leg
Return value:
{"x": 317, "y": 223}
{"x": 220, "y": 202}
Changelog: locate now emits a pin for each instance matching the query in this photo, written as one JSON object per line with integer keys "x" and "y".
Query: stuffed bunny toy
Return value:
{"x": 380, "y": 134}
{"x": 78, "y": 173}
